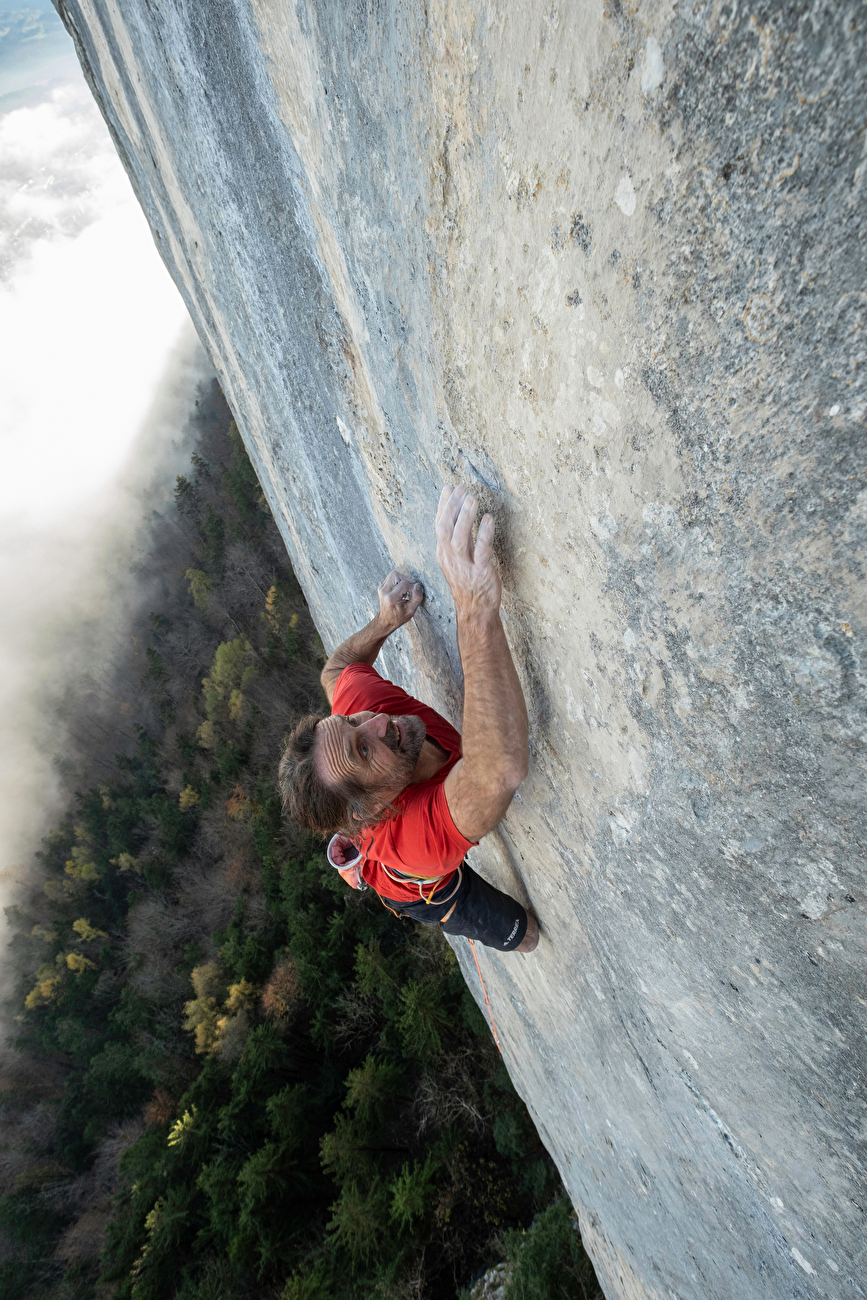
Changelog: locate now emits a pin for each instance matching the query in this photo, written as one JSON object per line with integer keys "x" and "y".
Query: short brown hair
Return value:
{"x": 344, "y": 808}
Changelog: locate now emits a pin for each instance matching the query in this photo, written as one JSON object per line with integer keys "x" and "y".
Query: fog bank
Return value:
{"x": 67, "y": 597}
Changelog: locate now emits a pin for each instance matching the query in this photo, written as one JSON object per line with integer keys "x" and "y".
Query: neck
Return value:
{"x": 430, "y": 760}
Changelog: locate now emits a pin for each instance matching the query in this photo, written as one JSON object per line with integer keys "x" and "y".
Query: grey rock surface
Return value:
{"x": 606, "y": 264}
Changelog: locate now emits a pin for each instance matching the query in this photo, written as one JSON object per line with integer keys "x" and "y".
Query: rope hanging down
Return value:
{"x": 487, "y": 1003}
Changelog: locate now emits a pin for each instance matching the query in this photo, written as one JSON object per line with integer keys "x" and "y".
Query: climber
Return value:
{"x": 401, "y": 792}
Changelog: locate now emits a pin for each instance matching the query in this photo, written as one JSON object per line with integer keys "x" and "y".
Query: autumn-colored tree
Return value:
{"x": 79, "y": 963}
{"x": 47, "y": 987}
{"x": 201, "y": 587}
{"x": 281, "y": 996}
{"x": 182, "y": 1128}
{"x": 232, "y": 672}
{"x": 86, "y": 932}
{"x": 126, "y": 862}
{"x": 202, "y": 1011}
{"x": 159, "y": 1109}
{"x": 234, "y": 1025}
{"x": 80, "y": 865}
{"x": 270, "y": 615}
{"x": 206, "y": 735}
{"x": 238, "y": 804}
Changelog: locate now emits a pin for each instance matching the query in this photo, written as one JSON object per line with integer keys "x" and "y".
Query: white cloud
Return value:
{"x": 98, "y": 362}
{"x": 66, "y": 592}
{"x": 88, "y": 314}
{"x": 58, "y": 172}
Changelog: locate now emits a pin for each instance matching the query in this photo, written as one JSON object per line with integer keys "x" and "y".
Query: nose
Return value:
{"x": 379, "y": 725}
{"x": 375, "y": 724}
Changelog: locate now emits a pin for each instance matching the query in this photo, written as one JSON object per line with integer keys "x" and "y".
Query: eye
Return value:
{"x": 362, "y": 749}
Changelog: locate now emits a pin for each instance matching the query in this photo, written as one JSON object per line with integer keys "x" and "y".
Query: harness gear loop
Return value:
{"x": 487, "y": 1003}
{"x": 401, "y": 876}
{"x": 443, "y": 919}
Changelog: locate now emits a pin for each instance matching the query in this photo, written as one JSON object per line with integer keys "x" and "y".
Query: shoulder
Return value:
{"x": 359, "y": 687}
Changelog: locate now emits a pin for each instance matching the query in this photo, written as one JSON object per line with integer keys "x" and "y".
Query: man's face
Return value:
{"x": 378, "y": 751}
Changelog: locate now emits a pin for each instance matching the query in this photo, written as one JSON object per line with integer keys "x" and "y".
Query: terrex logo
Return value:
{"x": 514, "y": 932}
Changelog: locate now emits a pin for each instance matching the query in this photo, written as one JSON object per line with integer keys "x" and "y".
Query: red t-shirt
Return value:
{"x": 423, "y": 839}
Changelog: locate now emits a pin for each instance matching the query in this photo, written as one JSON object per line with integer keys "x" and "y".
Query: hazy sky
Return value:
{"x": 97, "y": 364}
{"x": 88, "y": 315}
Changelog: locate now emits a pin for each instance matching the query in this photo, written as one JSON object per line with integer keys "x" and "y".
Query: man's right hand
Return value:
{"x": 469, "y": 569}
{"x": 399, "y": 598}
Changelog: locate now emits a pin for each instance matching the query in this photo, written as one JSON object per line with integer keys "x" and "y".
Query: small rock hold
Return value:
{"x": 701, "y": 807}
{"x": 653, "y": 73}
{"x": 581, "y": 234}
{"x": 625, "y": 197}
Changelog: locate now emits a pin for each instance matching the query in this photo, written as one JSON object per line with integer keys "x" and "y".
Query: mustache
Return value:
{"x": 392, "y": 736}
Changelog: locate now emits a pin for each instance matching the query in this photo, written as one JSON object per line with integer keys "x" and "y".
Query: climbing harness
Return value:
{"x": 487, "y": 1003}
{"x": 401, "y": 877}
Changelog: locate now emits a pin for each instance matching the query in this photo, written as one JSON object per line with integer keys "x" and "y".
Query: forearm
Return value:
{"x": 360, "y": 648}
{"x": 494, "y": 730}
{"x": 399, "y": 598}
{"x": 494, "y": 741}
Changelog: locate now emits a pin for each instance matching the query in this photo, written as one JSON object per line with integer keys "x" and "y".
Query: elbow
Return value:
{"x": 521, "y": 766}
{"x": 514, "y": 774}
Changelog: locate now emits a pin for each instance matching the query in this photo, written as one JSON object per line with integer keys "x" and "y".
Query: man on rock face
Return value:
{"x": 403, "y": 794}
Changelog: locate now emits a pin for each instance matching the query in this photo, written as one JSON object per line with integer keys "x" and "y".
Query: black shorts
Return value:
{"x": 481, "y": 912}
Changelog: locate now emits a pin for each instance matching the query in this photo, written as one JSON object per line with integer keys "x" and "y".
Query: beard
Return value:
{"x": 408, "y": 750}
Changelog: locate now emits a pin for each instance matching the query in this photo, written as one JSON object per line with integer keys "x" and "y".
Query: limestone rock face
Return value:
{"x": 606, "y": 265}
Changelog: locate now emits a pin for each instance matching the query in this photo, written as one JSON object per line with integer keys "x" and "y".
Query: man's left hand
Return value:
{"x": 399, "y": 598}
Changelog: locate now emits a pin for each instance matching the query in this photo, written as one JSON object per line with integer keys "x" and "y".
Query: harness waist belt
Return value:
{"x": 401, "y": 876}
{"x": 411, "y": 876}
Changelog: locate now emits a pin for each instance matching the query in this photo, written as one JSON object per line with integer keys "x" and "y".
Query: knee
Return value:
{"x": 531, "y": 938}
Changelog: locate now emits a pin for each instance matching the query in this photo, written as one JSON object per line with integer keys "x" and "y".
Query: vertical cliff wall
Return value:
{"x": 606, "y": 264}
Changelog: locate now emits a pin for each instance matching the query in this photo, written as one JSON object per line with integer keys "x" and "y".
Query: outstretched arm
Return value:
{"x": 495, "y": 761}
{"x": 399, "y": 598}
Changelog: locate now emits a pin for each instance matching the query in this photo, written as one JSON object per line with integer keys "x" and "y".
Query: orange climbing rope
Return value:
{"x": 487, "y": 1003}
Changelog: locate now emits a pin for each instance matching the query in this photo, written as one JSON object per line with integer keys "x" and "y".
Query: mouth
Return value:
{"x": 394, "y": 735}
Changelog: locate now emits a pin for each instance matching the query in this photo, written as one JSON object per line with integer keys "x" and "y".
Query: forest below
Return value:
{"x": 226, "y": 1074}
